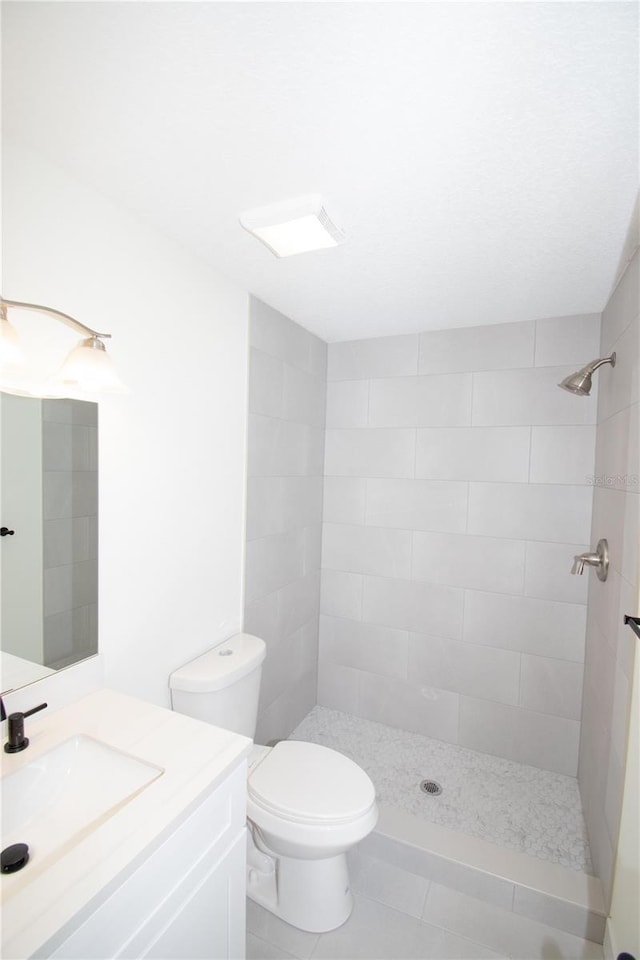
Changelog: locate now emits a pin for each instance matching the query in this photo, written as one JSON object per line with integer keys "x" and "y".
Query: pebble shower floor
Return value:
{"x": 533, "y": 811}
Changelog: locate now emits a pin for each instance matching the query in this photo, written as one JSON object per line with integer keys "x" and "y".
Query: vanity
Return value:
{"x": 135, "y": 821}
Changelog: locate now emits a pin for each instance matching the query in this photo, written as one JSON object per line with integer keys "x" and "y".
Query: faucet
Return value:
{"x": 599, "y": 558}
{"x": 17, "y": 740}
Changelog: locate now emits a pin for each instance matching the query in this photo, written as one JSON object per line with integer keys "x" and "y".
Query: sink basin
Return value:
{"x": 56, "y": 798}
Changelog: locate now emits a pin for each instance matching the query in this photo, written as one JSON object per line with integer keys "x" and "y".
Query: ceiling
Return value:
{"x": 481, "y": 157}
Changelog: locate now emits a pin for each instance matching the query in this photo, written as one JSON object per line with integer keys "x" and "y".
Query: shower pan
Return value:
{"x": 504, "y": 831}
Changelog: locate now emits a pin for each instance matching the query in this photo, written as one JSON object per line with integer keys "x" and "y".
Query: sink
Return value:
{"x": 53, "y": 800}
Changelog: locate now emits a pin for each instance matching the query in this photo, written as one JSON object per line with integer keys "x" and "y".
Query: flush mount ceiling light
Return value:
{"x": 293, "y": 226}
{"x": 87, "y": 371}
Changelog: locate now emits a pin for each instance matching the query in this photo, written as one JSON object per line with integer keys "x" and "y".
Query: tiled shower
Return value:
{"x": 458, "y": 491}
{"x": 459, "y": 483}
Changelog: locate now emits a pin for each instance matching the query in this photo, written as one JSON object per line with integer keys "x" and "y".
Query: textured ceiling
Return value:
{"x": 481, "y": 157}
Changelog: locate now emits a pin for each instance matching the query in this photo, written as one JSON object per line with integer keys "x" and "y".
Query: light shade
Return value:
{"x": 89, "y": 369}
{"x": 293, "y": 226}
{"x": 10, "y": 350}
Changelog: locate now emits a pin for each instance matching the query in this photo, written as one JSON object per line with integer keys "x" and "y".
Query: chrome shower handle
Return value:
{"x": 598, "y": 559}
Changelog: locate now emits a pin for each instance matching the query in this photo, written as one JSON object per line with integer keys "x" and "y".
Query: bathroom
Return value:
{"x": 204, "y": 533}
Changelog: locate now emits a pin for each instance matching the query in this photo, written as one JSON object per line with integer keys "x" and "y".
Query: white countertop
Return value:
{"x": 194, "y": 757}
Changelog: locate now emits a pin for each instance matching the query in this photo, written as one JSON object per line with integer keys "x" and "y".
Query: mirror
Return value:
{"x": 49, "y": 543}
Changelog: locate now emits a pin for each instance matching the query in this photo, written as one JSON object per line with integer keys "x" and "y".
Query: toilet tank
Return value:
{"x": 223, "y": 685}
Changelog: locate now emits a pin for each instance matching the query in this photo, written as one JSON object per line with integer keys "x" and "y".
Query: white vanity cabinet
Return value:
{"x": 135, "y": 817}
{"x": 184, "y": 899}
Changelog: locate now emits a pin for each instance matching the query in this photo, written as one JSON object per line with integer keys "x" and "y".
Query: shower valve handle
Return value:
{"x": 599, "y": 558}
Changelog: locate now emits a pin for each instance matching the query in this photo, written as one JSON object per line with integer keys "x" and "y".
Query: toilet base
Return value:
{"x": 312, "y": 895}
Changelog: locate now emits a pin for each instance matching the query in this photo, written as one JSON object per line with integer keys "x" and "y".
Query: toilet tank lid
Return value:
{"x": 221, "y": 666}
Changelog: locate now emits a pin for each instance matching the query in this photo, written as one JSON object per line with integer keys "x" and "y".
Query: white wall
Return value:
{"x": 172, "y": 453}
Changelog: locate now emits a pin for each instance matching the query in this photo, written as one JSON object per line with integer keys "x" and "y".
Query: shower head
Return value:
{"x": 580, "y": 383}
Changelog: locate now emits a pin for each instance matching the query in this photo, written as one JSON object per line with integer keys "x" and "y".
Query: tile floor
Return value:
{"x": 399, "y": 915}
{"x": 521, "y": 807}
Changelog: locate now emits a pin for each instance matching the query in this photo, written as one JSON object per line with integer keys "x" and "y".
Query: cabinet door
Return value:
{"x": 211, "y": 922}
{"x": 174, "y": 877}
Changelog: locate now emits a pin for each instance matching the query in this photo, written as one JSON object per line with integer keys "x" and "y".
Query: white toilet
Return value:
{"x": 306, "y": 805}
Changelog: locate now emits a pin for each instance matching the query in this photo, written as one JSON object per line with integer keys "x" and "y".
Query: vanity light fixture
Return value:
{"x": 87, "y": 370}
{"x": 293, "y": 226}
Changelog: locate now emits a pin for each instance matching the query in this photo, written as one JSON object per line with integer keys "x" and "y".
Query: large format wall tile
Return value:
{"x": 530, "y": 511}
{"x": 347, "y": 403}
{"x": 548, "y": 572}
{"x": 438, "y": 505}
{"x": 341, "y": 594}
{"x": 370, "y": 453}
{"x": 551, "y": 686}
{"x": 369, "y": 359}
{"x": 544, "y": 627}
{"x": 573, "y": 340}
{"x": 437, "y": 401}
{"x": 373, "y": 550}
{"x": 610, "y": 645}
{"x": 480, "y": 563}
{"x": 506, "y": 397}
{"x": 365, "y": 646}
{"x": 498, "y": 347}
{"x": 420, "y": 607}
{"x": 622, "y": 308}
{"x": 479, "y": 671}
{"x": 563, "y": 454}
{"x": 539, "y": 739}
{"x": 345, "y": 500}
{"x": 458, "y": 488}
{"x": 287, "y": 399}
{"x": 472, "y": 453}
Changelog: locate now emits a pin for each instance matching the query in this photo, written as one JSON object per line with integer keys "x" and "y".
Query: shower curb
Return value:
{"x": 547, "y": 892}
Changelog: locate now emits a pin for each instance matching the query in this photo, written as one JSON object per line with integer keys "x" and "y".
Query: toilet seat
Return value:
{"x": 307, "y": 783}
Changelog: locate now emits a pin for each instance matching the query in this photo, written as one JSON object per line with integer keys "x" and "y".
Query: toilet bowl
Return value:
{"x": 307, "y": 805}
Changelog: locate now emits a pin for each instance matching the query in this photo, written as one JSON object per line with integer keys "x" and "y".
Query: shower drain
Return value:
{"x": 432, "y": 787}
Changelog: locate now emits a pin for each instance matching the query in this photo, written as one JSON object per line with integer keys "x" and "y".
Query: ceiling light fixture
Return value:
{"x": 293, "y": 226}
{"x": 87, "y": 370}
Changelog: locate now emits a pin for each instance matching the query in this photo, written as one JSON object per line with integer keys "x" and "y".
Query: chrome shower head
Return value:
{"x": 580, "y": 383}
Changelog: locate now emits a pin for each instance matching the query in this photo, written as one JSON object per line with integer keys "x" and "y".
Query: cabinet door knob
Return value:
{"x": 5, "y": 532}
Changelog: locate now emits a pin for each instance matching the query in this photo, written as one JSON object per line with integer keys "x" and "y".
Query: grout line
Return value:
{"x": 520, "y": 704}
{"x": 445, "y": 426}
{"x": 473, "y": 380}
{"x": 466, "y": 522}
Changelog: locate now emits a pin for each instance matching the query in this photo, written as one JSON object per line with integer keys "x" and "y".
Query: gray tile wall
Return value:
{"x": 70, "y": 530}
{"x": 287, "y": 393}
{"x": 457, "y": 490}
{"x": 616, "y": 516}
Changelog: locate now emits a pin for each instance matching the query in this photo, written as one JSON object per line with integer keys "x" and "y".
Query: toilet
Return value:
{"x": 307, "y": 805}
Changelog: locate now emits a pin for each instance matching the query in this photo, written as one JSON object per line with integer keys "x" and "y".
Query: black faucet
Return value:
{"x": 17, "y": 740}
